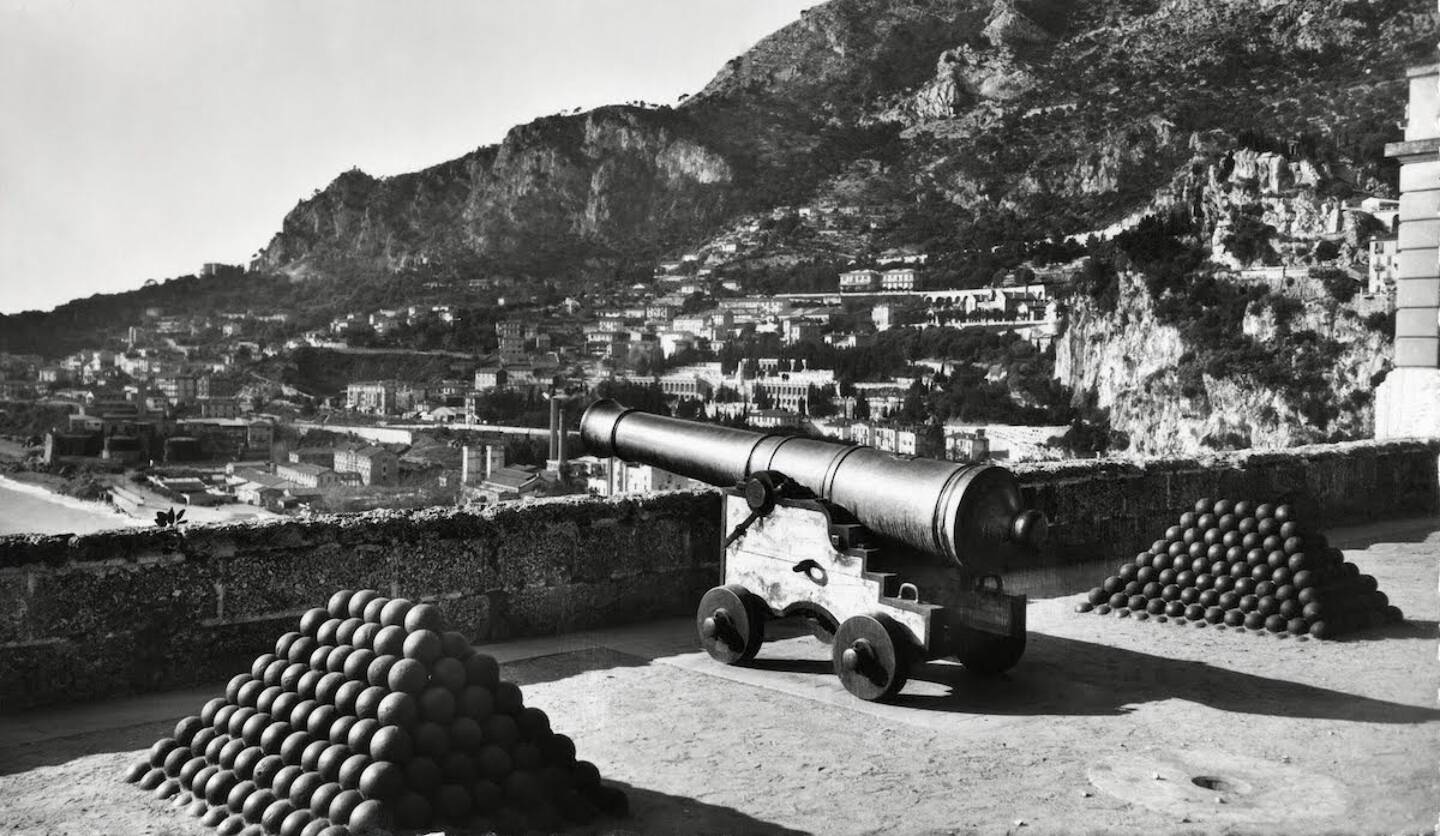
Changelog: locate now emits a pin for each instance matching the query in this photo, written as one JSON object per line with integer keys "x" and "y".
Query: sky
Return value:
{"x": 142, "y": 138}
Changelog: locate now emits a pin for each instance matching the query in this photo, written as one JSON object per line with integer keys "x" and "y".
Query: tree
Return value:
{"x": 862, "y": 409}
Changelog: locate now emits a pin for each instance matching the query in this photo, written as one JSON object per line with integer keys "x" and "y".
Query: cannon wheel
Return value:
{"x": 988, "y": 654}
{"x": 731, "y": 624}
{"x": 872, "y": 656}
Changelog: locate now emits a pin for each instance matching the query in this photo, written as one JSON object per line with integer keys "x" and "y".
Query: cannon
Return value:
{"x": 892, "y": 559}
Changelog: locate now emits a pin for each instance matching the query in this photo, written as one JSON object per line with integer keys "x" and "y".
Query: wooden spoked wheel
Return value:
{"x": 731, "y": 624}
{"x": 988, "y": 654}
{"x": 872, "y": 656}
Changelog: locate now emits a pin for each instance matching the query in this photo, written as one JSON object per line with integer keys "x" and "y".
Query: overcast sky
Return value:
{"x": 141, "y": 138}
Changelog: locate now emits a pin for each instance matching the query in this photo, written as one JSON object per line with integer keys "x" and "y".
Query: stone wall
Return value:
{"x": 1099, "y": 509}
{"x": 129, "y": 611}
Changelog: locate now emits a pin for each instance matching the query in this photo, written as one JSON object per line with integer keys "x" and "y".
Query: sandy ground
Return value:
{"x": 1104, "y": 727}
{"x": 194, "y": 514}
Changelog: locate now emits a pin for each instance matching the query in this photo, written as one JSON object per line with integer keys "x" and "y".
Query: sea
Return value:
{"x": 30, "y": 509}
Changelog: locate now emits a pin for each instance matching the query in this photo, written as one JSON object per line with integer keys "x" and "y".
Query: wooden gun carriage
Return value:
{"x": 894, "y": 559}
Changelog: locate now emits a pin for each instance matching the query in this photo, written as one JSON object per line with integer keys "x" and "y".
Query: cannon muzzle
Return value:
{"x": 971, "y": 514}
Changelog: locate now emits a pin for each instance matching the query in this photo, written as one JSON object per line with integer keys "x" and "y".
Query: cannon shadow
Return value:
{"x": 1064, "y": 676}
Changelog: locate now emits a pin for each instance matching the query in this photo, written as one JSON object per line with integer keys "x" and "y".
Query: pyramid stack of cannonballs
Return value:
{"x": 373, "y": 717}
{"x": 1245, "y": 565}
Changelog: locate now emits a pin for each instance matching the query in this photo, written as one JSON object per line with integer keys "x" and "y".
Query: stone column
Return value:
{"x": 1407, "y": 403}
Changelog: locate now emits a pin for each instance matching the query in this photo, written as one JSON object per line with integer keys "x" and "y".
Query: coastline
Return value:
{"x": 99, "y": 514}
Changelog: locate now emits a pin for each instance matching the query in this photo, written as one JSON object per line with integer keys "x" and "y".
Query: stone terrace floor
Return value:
{"x": 1101, "y": 729}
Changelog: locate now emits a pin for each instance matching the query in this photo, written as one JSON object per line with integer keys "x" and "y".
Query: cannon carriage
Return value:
{"x": 895, "y": 560}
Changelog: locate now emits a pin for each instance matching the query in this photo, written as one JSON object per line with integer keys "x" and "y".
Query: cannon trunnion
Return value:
{"x": 894, "y": 560}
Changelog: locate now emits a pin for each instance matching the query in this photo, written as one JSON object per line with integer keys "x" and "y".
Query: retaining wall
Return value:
{"x": 139, "y": 610}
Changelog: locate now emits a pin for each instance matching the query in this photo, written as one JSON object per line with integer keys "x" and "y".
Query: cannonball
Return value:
{"x": 320, "y": 659}
{"x": 335, "y": 662}
{"x": 1267, "y": 605}
{"x": 1231, "y": 542}
{"x": 1227, "y": 522}
{"x": 154, "y": 776}
{"x": 1170, "y": 593}
{"x": 1260, "y": 572}
{"x": 449, "y": 671}
{"x": 1174, "y": 532}
{"x": 284, "y": 778}
{"x": 249, "y": 692}
{"x": 1218, "y": 569}
{"x": 238, "y": 719}
{"x": 238, "y": 681}
{"x": 1103, "y": 609}
{"x": 187, "y": 728}
{"x": 1224, "y": 583}
{"x": 323, "y": 797}
{"x": 222, "y": 820}
{"x": 452, "y": 802}
{"x": 1149, "y": 590}
{"x": 1084, "y": 606}
{"x": 1394, "y": 614}
{"x": 1206, "y": 520}
{"x": 249, "y": 731}
{"x": 1175, "y": 609}
{"x": 1142, "y": 576}
{"x": 371, "y": 613}
{"x": 1275, "y": 623}
{"x": 357, "y": 664}
{"x": 321, "y": 718}
{"x": 501, "y": 729}
{"x": 232, "y": 750}
{"x": 355, "y": 607}
{"x": 368, "y": 818}
{"x": 1176, "y": 551}
{"x": 265, "y": 700}
{"x": 459, "y": 768}
{"x": 239, "y": 794}
{"x": 390, "y": 641}
{"x": 392, "y": 614}
{"x": 408, "y": 675}
{"x": 486, "y": 796}
{"x": 413, "y": 811}
{"x": 1207, "y": 598}
{"x": 1265, "y": 588}
{"x": 347, "y": 694}
{"x": 1197, "y": 549}
{"x": 1234, "y": 618}
{"x": 310, "y": 756}
{"x": 378, "y": 673}
{"x": 1367, "y": 582}
{"x": 526, "y": 756}
{"x": 1189, "y": 595}
{"x": 1156, "y": 548}
{"x": 266, "y": 770}
{"x": 276, "y": 814}
{"x": 1228, "y": 600}
{"x": 196, "y": 807}
{"x": 210, "y": 709}
{"x": 319, "y": 824}
{"x": 1244, "y": 586}
{"x": 477, "y": 701}
{"x": 303, "y": 787}
{"x": 327, "y": 632}
{"x": 160, "y": 749}
{"x": 301, "y": 648}
{"x": 1136, "y": 602}
{"x": 424, "y": 617}
{"x": 1187, "y": 519}
{"x": 1288, "y": 609}
{"x": 391, "y": 743}
{"x": 1195, "y": 612}
{"x": 1297, "y": 626}
{"x": 1156, "y": 606}
{"x": 508, "y": 699}
{"x": 382, "y": 780}
{"x": 312, "y": 619}
{"x": 1185, "y": 578}
{"x": 1254, "y": 620}
{"x": 343, "y": 805}
{"x": 351, "y": 769}
{"x": 360, "y": 733}
{"x": 295, "y": 823}
{"x": 328, "y": 685}
{"x": 493, "y": 762}
{"x": 1247, "y": 526}
{"x": 339, "y": 605}
{"x": 465, "y": 734}
{"x": 292, "y": 678}
{"x": 247, "y": 760}
{"x": 432, "y": 739}
{"x": 1204, "y": 581}
{"x": 1214, "y": 615}
{"x": 1239, "y": 570}
{"x": 175, "y": 759}
{"x": 1264, "y": 511}
{"x": 1277, "y": 558}
{"x": 1097, "y": 596}
{"x": 169, "y": 788}
{"x": 331, "y": 759}
{"x": 1284, "y": 513}
{"x": 422, "y": 646}
{"x": 364, "y": 637}
{"x": 212, "y": 749}
{"x": 346, "y": 631}
{"x": 293, "y": 748}
{"x": 1211, "y": 539}
{"x": 218, "y": 788}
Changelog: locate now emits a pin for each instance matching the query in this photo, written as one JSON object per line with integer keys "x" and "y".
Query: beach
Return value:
{"x": 32, "y": 509}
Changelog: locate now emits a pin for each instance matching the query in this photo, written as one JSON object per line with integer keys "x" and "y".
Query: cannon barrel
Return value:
{"x": 970, "y": 513}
